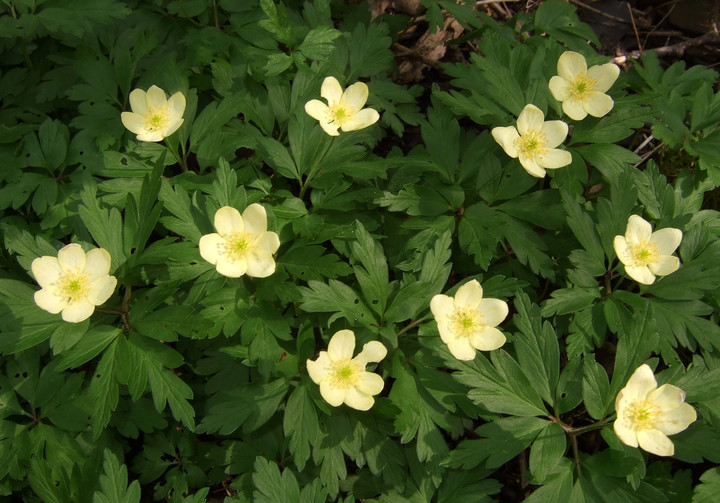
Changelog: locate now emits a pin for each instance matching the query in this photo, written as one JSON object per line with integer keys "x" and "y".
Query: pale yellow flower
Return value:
{"x": 645, "y": 253}
{"x": 646, "y": 414}
{"x": 74, "y": 282}
{"x": 534, "y": 141}
{"x": 582, "y": 90}
{"x": 344, "y": 110}
{"x": 342, "y": 378}
{"x": 467, "y": 322}
{"x": 153, "y": 116}
{"x": 242, "y": 244}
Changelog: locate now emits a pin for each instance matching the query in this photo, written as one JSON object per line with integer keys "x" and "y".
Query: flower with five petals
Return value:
{"x": 582, "y": 90}
{"x": 467, "y": 322}
{"x": 153, "y": 116}
{"x": 646, "y": 254}
{"x": 646, "y": 414}
{"x": 242, "y": 243}
{"x": 534, "y": 141}
{"x": 74, "y": 282}
{"x": 344, "y": 110}
{"x": 342, "y": 378}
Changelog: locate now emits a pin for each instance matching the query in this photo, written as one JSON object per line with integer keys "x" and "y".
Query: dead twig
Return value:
{"x": 671, "y": 50}
{"x": 598, "y": 11}
{"x": 632, "y": 18}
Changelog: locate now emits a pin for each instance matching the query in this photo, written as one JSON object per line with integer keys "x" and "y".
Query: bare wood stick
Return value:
{"x": 671, "y": 50}
{"x": 598, "y": 11}
{"x": 632, "y": 18}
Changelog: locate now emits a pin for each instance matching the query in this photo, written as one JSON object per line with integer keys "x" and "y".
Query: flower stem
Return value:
{"x": 181, "y": 160}
{"x": 315, "y": 168}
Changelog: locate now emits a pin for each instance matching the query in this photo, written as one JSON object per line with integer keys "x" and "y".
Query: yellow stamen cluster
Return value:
{"x": 645, "y": 253}
{"x": 339, "y": 114}
{"x": 344, "y": 373}
{"x": 642, "y": 415}
{"x": 74, "y": 285}
{"x": 582, "y": 85}
{"x": 465, "y": 322}
{"x": 155, "y": 119}
{"x": 533, "y": 143}
{"x": 237, "y": 246}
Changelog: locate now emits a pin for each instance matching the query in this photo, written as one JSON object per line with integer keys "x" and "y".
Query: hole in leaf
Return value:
{"x": 222, "y": 308}
{"x": 356, "y": 301}
{"x": 17, "y": 375}
{"x": 24, "y": 374}
{"x": 124, "y": 161}
{"x": 563, "y": 395}
{"x": 98, "y": 376}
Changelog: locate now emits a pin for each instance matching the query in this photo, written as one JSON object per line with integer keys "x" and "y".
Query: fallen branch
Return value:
{"x": 671, "y": 50}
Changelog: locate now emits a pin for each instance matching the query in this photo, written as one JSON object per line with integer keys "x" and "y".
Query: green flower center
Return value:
{"x": 642, "y": 414}
{"x": 582, "y": 85}
{"x": 645, "y": 253}
{"x": 340, "y": 113}
{"x": 465, "y": 322}
{"x": 238, "y": 245}
{"x": 344, "y": 373}
{"x": 74, "y": 285}
{"x": 532, "y": 143}
{"x": 155, "y": 119}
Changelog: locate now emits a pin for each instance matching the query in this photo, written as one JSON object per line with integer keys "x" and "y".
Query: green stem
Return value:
{"x": 181, "y": 160}
{"x": 315, "y": 168}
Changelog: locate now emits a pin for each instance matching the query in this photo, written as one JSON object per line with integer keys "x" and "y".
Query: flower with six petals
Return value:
{"x": 646, "y": 414}
{"x": 153, "y": 116}
{"x": 242, "y": 243}
{"x": 74, "y": 282}
{"x": 344, "y": 110}
{"x": 582, "y": 90}
{"x": 342, "y": 378}
{"x": 534, "y": 141}
{"x": 645, "y": 253}
{"x": 467, "y": 322}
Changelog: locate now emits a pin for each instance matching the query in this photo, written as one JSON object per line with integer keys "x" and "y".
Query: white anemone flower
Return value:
{"x": 344, "y": 110}
{"x": 242, "y": 243}
{"x": 534, "y": 141}
{"x": 153, "y": 116}
{"x": 467, "y": 322}
{"x": 342, "y": 378}
{"x": 646, "y": 414}
{"x": 582, "y": 90}
{"x": 647, "y": 254}
{"x": 74, "y": 282}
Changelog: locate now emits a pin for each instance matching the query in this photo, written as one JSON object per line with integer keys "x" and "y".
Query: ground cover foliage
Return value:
{"x": 186, "y": 385}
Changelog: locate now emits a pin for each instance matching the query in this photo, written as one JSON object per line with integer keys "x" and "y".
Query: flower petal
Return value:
{"x": 260, "y": 265}
{"x": 97, "y": 263}
{"x": 604, "y": 76}
{"x": 666, "y": 264}
{"x": 559, "y": 88}
{"x": 531, "y": 166}
{"x": 494, "y": 311}
{"x": 677, "y": 420}
{"x": 446, "y": 333}
{"x": 356, "y": 95}
{"x": 331, "y": 90}
{"x": 488, "y": 339}
{"x": 370, "y": 384}
{"x": 556, "y": 132}
{"x": 667, "y": 240}
{"x": 655, "y": 442}
{"x": 101, "y": 289}
{"x": 330, "y": 128}
{"x": 622, "y": 250}
{"x": 156, "y": 98}
{"x": 138, "y": 103}
{"x": 267, "y": 243}
{"x": 640, "y": 273}
{"x": 373, "y": 351}
{"x": 554, "y": 158}
{"x": 469, "y": 295}
{"x": 228, "y": 221}
{"x": 255, "y": 220}
{"x": 362, "y": 119}
{"x": 573, "y": 108}
{"x": 171, "y": 127}
{"x": 598, "y": 104}
{"x": 640, "y": 384}
{"x": 333, "y": 395}
{"x": 638, "y": 230}
{"x": 176, "y": 106}
{"x": 210, "y": 247}
{"x": 71, "y": 258}
{"x": 319, "y": 369}
{"x": 78, "y": 311}
{"x": 46, "y": 270}
{"x": 530, "y": 119}
{"x": 151, "y": 136}
{"x": 231, "y": 268}
{"x": 358, "y": 400}
{"x": 442, "y": 306}
{"x": 461, "y": 349}
{"x": 627, "y": 436}
{"x": 667, "y": 397}
{"x": 133, "y": 122}
{"x": 341, "y": 345}
{"x": 507, "y": 137}
{"x": 570, "y": 64}
{"x": 47, "y": 300}
{"x": 317, "y": 110}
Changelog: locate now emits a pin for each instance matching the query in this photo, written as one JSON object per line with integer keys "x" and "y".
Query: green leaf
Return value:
{"x": 709, "y": 487}
{"x": 547, "y": 451}
{"x": 612, "y": 160}
{"x": 104, "y": 390}
{"x": 595, "y": 388}
{"x": 559, "y": 20}
{"x": 300, "y": 424}
{"x": 370, "y": 52}
{"x": 557, "y": 487}
{"x": 104, "y": 225}
{"x": 92, "y": 343}
{"x": 335, "y": 297}
{"x": 318, "y": 43}
{"x": 270, "y": 486}
{"x": 114, "y": 483}
{"x": 278, "y": 157}
{"x": 310, "y": 263}
{"x": 277, "y": 23}
{"x": 166, "y": 386}
{"x": 372, "y": 275}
